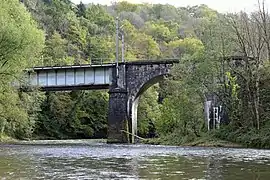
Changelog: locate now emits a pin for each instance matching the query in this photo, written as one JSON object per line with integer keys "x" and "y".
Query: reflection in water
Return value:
{"x": 103, "y": 161}
{"x": 214, "y": 169}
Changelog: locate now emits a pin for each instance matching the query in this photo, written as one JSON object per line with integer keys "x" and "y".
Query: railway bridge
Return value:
{"x": 126, "y": 81}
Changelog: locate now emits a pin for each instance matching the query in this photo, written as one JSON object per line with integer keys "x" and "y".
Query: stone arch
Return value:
{"x": 148, "y": 84}
{"x": 140, "y": 77}
{"x": 133, "y": 79}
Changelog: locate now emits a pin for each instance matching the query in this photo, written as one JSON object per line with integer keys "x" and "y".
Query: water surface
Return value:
{"x": 88, "y": 160}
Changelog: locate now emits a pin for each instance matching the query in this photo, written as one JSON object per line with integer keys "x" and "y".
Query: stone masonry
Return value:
{"x": 133, "y": 79}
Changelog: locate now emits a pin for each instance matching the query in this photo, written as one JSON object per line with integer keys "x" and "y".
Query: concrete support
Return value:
{"x": 134, "y": 123}
{"x": 122, "y": 116}
{"x": 117, "y": 117}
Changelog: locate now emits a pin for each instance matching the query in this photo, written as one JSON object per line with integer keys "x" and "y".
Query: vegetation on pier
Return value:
{"x": 58, "y": 32}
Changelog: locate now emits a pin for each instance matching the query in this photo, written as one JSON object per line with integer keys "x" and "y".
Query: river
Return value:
{"x": 83, "y": 159}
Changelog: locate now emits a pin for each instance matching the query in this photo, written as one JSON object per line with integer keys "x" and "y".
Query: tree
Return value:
{"x": 81, "y": 9}
{"x": 181, "y": 110}
{"x": 96, "y": 14}
{"x": 20, "y": 45}
{"x": 20, "y": 41}
{"x": 76, "y": 114}
{"x": 76, "y": 36}
{"x": 125, "y": 6}
{"x": 148, "y": 112}
{"x": 159, "y": 32}
{"x": 55, "y": 52}
{"x": 251, "y": 45}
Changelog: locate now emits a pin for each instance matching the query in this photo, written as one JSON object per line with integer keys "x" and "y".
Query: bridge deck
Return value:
{"x": 71, "y": 77}
{"x": 86, "y": 76}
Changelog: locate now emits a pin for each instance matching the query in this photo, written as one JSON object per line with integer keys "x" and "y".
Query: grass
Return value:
{"x": 7, "y": 139}
{"x": 204, "y": 141}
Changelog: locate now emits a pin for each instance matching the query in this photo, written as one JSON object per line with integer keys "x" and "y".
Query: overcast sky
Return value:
{"x": 220, "y": 5}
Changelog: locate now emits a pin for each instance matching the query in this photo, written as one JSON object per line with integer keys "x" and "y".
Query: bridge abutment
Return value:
{"x": 122, "y": 117}
{"x": 118, "y": 117}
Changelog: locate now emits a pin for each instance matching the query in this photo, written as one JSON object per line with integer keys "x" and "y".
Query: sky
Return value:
{"x": 222, "y": 6}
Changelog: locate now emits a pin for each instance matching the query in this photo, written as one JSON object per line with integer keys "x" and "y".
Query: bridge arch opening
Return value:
{"x": 136, "y": 99}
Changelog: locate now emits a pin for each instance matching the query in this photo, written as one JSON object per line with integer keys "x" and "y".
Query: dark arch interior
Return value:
{"x": 148, "y": 84}
{"x": 135, "y": 102}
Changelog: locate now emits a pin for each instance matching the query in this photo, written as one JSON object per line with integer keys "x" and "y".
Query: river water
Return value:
{"x": 93, "y": 160}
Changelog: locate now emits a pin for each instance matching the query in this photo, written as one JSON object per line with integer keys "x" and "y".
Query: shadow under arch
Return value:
{"x": 135, "y": 101}
{"x": 149, "y": 83}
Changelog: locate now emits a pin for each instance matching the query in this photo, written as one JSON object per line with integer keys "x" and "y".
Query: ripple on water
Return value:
{"x": 104, "y": 161}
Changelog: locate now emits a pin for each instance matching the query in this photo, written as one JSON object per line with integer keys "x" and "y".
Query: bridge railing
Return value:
{"x": 102, "y": 61}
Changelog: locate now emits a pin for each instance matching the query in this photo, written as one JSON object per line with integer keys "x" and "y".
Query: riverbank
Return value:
{"x": 52, "y": 142}
{"x": 7, "y": 139}
{"x": 154, "y": 141}
{"x": 203, "y": 141}
{"x": 198, "y": 142}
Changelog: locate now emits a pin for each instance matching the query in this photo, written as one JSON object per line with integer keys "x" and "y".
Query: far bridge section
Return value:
{"x": 125, "y": 81}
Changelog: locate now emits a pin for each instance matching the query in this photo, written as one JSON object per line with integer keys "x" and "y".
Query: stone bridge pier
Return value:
{"x": 132, "y": 80}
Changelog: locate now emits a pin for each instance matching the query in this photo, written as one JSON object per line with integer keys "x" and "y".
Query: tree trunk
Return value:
{"x": 3, "y": 123}
{"x": 257, "y": 101}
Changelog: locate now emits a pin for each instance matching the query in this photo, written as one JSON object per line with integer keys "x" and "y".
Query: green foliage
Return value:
{"x": 20, "y": 45}
{"x": 97, "y": 15}
{"x": 173, "y": 110}
{"x": 20, "y": 40}
{"x": 159, "y": 32}
{"x": 250, "y": 138}
{"x": 55, "y": 51}
{"x": 81, "y": 9}
{"x": 73, "y": 115}
{"x": 125, "y": 6}
{"x": 100, "y": 47}
{"x": 148, "y": 112}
